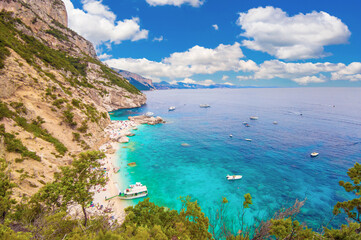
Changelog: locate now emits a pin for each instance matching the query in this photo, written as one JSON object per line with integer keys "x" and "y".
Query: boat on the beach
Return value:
{"x": 172, "y": 108}
{"x": 233, "y": 177}
{"x": 314, "y": 154}
{"x": 204, "y": 106}
{"x": 137, "y": 190}
{"x": 149, "y": 114}
{"x": 253, "y": 118}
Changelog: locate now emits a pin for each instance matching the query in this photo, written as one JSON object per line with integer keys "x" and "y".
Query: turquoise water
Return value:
{"x": 275, "y": 165}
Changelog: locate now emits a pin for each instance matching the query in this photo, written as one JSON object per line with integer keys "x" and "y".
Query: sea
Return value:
{"x": 192, "y": 153}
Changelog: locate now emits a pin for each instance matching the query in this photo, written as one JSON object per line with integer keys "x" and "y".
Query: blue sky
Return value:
{"x": 241, "y": 42}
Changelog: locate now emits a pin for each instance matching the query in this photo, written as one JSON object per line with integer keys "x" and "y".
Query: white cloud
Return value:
{"x": 243, "y": 78}
{"x": 228, "y": 83}
{"x": 196, "y": 60}
{"x": 158, "y": 39}
{"x": 193, "y": 3}
{"x": 104, "y": 56}
{"x": 97, "y": 23}
{"x": 352, "y": 72}
{"x": 207, "y": 82}
{"x": 215, "y": 26}
{"x": 301, "y": 36}
{"x": 309, "y": 79}
{"x": 278, "y": 69}
{"x": 188, "y": 80}
{"x": 225, "y": 77}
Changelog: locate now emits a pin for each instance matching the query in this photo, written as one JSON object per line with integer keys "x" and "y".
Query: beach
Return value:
{"x": 117, "y": 132}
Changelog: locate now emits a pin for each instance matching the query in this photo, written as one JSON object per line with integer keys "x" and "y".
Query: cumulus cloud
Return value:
{"x": 228, "y": 83}
{"x": 104, "y": 56}
{"x": 225, "y": 77}
{"x": 309, "y": 79}
{"x": 158, "y": 39}
{"x": 178, "y": 3}
{"x": 97, "y": 23}
{"x": 215, "y": 26}
{"x": 188, "y": 80}
{"x": 301, "y": 36}
{"x": 207, "y": 82}
{"x": 352, "y": 72}
{"x": 196, "y": 60}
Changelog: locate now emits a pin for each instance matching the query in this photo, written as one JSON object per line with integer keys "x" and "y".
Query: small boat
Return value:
{"x": 253, "y": 118}
{"x": 137, "y": 190}
{"x": 132, "y": 164}
{"x": 314, "y": 154}
{"x": 204, "y": 106}
{"x": 245, "y": 123}
{"x": 233, "y": 177}
{"x": 248, "y": 139}
{"x": 172, "y": 108}
{"x": 149, "y": 114}
{"x": 230, "y": 135}
{"x": 275, "y": 122}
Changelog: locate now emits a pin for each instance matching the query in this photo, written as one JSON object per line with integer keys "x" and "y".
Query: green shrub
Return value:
{"x": 76, "y": 137}
{"x": 84, "y": 127}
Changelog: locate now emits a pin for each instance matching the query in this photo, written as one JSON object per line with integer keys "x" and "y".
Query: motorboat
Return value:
{"x": 137, "y": 190}
{"x": 314, "y": 154}
{"x": 275, "y": 122}
{"x": 149, "y": 114}
{"x": 172, "y": 108}
{"x": 230, "y": 135}
{"x": 248, "y": 139}
{"x": 245, "y": 123}
{"x": 233, "y": 177}
{"x": 253, "y": 118}
{"x": 204, "y": 106}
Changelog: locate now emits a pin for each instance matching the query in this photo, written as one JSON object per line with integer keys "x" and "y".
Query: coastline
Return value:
{"x": 117, "y": 132}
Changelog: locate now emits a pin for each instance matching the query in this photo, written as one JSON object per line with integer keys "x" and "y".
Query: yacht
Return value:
{"x": 253, "y": 118}
{"x": 248, "y": 139}
{"x": 234, "y": 177}
{"x": 204, "y": 106}
{"x": 137, "y": 190}
{"x": 230, "y": 135}
{"x": 172, "y": 108}
{"x": 275, "y": 122}
{"x": 314, "y": 154}
{"x": 149, "y": 114}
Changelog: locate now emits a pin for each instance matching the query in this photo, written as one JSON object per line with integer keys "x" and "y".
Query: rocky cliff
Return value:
{"x": 138, "y": 81}
{"x": 54, "y": 92}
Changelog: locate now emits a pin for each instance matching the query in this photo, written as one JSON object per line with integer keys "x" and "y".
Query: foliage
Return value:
{"x": 349, "y": 232}
{"x": 189, "y": 223}
{"x": 7, "y": 233}
{"x": 84, "y": 127}
{"x": 57, "y": 33}
{"x": 68, "y": 117}
{"x": 15, "y": 145}
{"x": 6, "y": 187}
{"x": 285, "y": 228}
{"x": 352, "y": 207}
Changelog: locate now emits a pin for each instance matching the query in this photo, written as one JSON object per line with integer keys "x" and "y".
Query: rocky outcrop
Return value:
{"x": 143, "y": 119}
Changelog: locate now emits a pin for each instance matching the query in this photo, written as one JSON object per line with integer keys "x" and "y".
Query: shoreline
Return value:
{"x": 117, "y": 132}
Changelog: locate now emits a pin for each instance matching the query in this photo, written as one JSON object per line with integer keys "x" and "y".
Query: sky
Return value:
{"x": 265, "y": 43}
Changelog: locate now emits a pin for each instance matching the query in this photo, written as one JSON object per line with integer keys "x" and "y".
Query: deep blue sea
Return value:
{"x": 192, "y": 153}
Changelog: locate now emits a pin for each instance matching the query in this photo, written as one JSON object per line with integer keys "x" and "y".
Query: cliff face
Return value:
{"x": 138, "y": 81}
{"x": 54, "y": 92}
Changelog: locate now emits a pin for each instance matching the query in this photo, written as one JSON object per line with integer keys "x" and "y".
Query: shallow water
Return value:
{"x": 192, "y": 153}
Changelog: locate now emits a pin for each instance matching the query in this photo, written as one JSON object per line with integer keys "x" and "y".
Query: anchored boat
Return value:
{"x": 233, "y": 177}
{"x": 172, "y": 108}
{"x": 137, "y": 190}
{"x": 204, "y": 106}
{"x": 314, "y": 154}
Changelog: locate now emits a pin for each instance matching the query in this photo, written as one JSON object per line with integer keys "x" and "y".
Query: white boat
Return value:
{"x": 234, "y": 177}
{"x": 172, "y": 108}
{"x": 134, "y": 191}
{"x": 248, "y": 139}
{"x": 275, "y": 122}
{"x": 230, "y": 135}
{"x": 149, "y": 114}
{"x": 204, "y": 106}
{"x": 314, "y": 154}
{"x": 253, "y": 118}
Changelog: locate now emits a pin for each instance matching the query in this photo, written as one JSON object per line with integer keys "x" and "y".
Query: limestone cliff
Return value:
{"x": 54, "y": 92}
